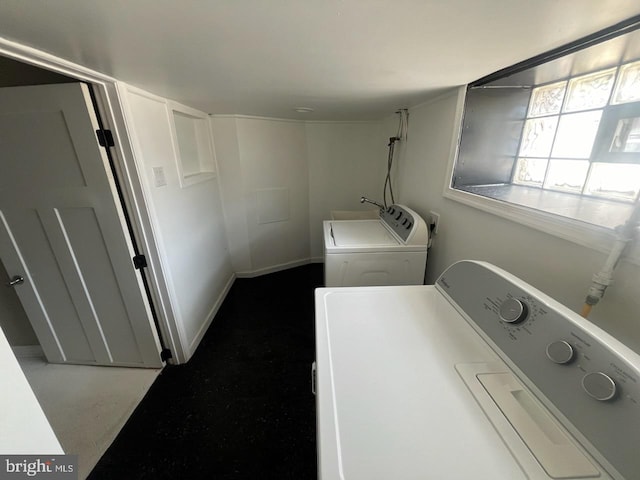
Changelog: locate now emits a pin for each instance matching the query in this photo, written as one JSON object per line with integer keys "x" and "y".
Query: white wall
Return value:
{"x": 559, "y": 268}
{"x": 188, "y": 222}
{"x": 225, "y": 133}
{"x": 275, "y": 178}
{"x": 346, "y": 161}
{"x": 264, "y": 179}
{"x": 316, "y": 166}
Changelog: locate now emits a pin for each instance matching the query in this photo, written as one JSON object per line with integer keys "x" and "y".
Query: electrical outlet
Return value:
{"x": 435, "y": 221}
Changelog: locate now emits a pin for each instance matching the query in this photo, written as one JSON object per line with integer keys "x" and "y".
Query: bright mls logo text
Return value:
{"x": 32, "y": 466}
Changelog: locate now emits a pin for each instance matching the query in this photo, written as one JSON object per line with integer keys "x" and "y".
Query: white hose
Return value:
{"x": 604, "y": 278}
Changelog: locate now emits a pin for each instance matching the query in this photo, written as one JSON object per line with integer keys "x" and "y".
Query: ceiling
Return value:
{"x": 345, "y": 59}
{"x": 606, "y": 54}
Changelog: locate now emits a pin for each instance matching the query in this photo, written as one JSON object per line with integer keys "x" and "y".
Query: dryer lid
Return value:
{"x": 362, "y": 233}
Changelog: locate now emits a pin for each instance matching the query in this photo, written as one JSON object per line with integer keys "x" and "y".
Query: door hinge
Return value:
{"x": 105, "y": 138}
{"x": 165, "y": 354}
{"x": 139, "y": 261}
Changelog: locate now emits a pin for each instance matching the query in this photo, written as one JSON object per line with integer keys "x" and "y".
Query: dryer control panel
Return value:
{"x": 403, "y": 221}
{"x": 592, "y": 379}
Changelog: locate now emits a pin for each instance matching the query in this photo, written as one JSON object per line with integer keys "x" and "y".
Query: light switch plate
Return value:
{"x": 159, "y": 180}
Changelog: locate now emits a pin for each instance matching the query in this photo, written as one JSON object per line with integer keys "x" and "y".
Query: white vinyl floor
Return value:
{"x": 86, "y": 406}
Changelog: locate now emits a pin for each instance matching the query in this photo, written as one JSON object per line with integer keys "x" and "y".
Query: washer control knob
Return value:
{"x": 560, "y": 352}
{"x": 513, "y": 311}
{"x": 599, "y": 385}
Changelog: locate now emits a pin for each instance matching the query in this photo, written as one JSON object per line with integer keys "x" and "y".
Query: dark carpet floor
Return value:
{"x": 242, "y": 407}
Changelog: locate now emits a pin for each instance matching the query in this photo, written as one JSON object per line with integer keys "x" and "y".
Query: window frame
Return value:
{"x": 204, "y": 145}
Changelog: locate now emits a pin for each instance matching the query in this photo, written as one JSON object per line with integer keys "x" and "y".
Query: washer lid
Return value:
{"x": 361, "y": 233}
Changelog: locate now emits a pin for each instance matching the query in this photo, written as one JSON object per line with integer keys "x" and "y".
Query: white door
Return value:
{"x": 62, "y": 230}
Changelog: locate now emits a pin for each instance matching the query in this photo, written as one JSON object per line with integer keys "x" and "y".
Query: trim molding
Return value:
{"x": 210, "y": 316}
{"x": 274, "y": 268}
{"x": 291, "y": 120}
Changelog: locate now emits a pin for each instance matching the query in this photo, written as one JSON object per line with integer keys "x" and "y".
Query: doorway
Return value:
{"x": 52, "y": 244}
{"x": 63, "y": 238}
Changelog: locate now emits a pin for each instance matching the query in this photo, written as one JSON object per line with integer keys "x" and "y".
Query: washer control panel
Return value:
{"x": 592, "y": 379}
{"x": 399, "y": 219}
{"x": 560, "y": 351}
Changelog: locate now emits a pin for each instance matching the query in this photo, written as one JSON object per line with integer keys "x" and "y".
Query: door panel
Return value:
{"x": 62, "y": 229}
{"x": 68, "y": 330}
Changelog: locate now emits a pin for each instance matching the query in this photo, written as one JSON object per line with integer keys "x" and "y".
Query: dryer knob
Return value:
{"x": 513, "y": 311}
{"x": 560, "y": 352}
{"x": 599, "y": 385}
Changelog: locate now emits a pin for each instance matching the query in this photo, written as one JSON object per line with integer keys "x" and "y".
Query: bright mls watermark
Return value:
{"x": 40, "y": 467}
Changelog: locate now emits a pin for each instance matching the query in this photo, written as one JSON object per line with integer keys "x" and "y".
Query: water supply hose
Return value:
{"x": 604, "y": 278}
{"x": 586, "y": 310}
{"x": 403, "y": 126}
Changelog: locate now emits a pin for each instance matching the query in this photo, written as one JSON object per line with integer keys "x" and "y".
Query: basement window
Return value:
{"x": 558, "y": 140}
{"x": 558, "y": 148}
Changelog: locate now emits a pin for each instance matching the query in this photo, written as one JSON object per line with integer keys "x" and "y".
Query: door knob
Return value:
{"x": 16, "y": 280}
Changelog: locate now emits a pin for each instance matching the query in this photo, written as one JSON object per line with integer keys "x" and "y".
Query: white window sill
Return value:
{"x": 193, "y": 178}
{"x": 594, "y": 211}
{"x": 570, "y": 219}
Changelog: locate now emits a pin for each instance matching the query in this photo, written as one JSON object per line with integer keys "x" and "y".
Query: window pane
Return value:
{"x": 547, "y": 100}
{"x": 530, "y": 171}
{"x": 627, "y": 136}
{"x": 619, "y": 181}
{"x": 589, "y": 91}
{"x": 628, "y": 85}
{"x": 537, "y": 137}
{"x": 567, "y": 175}
{"x": 576, "y": 133}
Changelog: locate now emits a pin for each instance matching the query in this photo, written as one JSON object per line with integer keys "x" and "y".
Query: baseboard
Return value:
{"x": 316, "y": 260}
{"x": 273, "y": 269}
{"x": 212, "y": 313}
{"x": 27, "y": 351}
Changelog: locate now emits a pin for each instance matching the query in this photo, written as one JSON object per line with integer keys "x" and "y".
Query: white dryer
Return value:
{"x": 391, "y": 250}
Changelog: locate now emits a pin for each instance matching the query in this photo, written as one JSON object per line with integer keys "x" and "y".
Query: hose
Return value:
{"x": 604, "y": 278}
{"x": 403, "y": 126}
{"x": 586, "y": 310}
{"x": 387, "y": 180}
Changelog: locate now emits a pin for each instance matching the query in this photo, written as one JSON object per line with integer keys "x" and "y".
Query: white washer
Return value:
{"x": 479, "y": 377}
{"x": 391, "y": 250}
